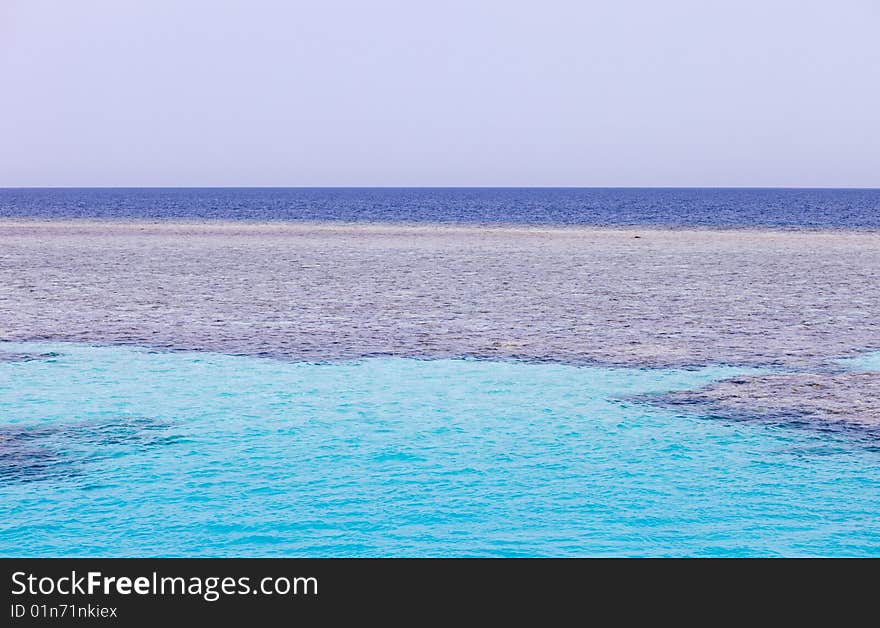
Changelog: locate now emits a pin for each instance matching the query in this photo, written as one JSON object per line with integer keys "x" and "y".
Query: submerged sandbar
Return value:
{"x": 319, "y": 291}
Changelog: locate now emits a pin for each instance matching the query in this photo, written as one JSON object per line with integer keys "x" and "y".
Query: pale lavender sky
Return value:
{"x": 409, "y": 92}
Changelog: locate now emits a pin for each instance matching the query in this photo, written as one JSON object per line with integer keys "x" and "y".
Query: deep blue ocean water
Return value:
{"x": 120, "y": 451}
{"x": 735, "y": 207}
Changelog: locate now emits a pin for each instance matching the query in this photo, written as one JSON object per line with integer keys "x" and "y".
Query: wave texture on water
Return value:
{"x": 793, "y": 301}
{"x": 124, "y": 451}
{"x": 678, "y": 207}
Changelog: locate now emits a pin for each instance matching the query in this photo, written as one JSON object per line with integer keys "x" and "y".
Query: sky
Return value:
{"x": 428, "y": 93}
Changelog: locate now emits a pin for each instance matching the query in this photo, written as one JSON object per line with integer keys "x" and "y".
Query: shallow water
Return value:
{"x": 665, "y": 299}
{"x": 323, "y": 292}
{"x": 869, "y": 361}
{"x": 116, "y": 451}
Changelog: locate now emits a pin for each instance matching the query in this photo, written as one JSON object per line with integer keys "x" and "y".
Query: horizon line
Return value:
{"x": 433, "y": 187}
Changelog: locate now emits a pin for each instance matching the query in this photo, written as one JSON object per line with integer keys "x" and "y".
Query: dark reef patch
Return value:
{"x": 30, "y": 453}
{"x": 26, "y": 357}
{"x": 820, "y": 401}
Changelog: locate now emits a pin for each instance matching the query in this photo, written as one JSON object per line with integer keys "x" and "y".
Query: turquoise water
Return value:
{"x": 123, "y": 451}
{"x": 864, "y": 362}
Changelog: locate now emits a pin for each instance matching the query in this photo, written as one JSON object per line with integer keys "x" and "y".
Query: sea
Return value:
{"x": 135, "y": 451}
{"x": 670, "y": 207}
